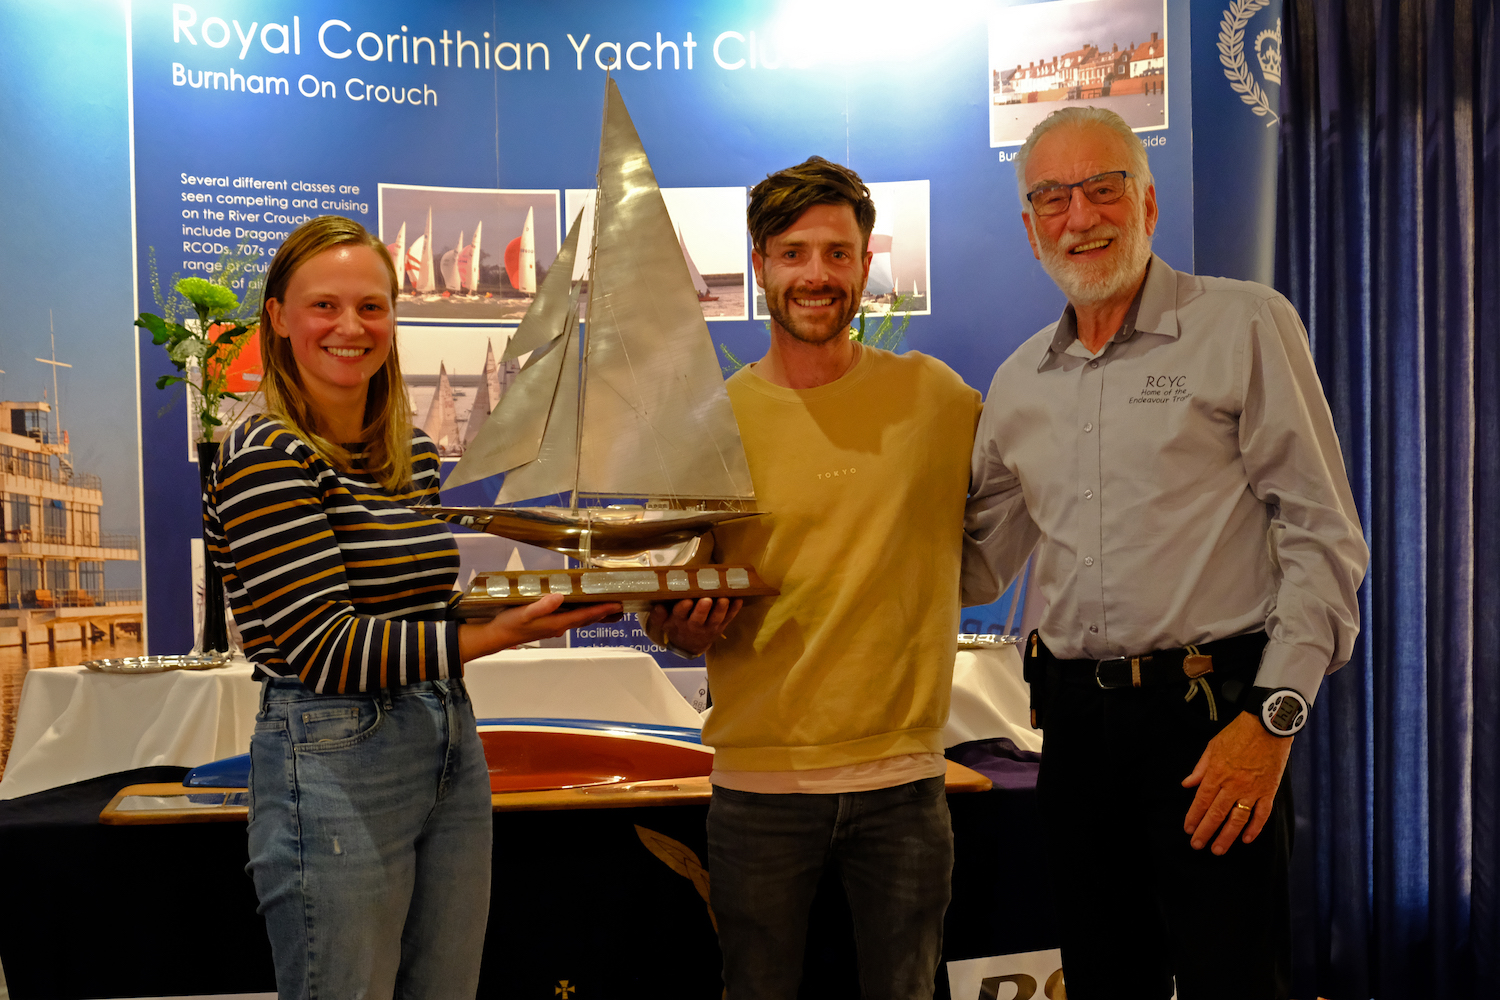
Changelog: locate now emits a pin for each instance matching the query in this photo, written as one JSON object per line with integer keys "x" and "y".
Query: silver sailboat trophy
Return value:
{"x": 632, "y": 407}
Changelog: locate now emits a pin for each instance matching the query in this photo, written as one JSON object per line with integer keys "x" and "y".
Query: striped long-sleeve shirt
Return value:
{"x": 333, "y": 579}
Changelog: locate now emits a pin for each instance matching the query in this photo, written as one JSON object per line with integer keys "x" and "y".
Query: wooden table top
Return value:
{"x": 623, "y": 795}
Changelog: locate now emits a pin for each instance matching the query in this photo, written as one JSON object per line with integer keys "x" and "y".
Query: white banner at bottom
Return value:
{"x": 1028, "y": 975}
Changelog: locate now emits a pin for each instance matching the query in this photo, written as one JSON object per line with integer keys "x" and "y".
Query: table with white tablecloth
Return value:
{"x": 74, "y": 723}
{"x": 991, "y": 699}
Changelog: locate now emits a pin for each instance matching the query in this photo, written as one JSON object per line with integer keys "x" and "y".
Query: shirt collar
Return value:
{"x": 1154, "y": 310}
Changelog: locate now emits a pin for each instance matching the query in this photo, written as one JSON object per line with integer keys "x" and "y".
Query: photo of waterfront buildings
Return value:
{"x": 1105, "y": 53}
{"x": 55, "y": 609}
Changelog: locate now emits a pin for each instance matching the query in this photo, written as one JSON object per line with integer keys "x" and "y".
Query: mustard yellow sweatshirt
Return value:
{"x": 864, "y": 480}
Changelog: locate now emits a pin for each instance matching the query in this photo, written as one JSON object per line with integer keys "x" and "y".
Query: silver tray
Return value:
{"x": 158, "y": 664}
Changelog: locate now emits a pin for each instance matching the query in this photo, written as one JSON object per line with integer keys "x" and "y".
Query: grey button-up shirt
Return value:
{"x": 1185, "y": 484}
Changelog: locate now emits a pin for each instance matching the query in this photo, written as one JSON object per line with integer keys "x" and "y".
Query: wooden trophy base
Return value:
{"x": 637, "y": 588}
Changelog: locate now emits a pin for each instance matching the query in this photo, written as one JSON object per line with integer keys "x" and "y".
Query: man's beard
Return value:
{"x": 777, "y": 304}
{"x": 1089, "y": 283}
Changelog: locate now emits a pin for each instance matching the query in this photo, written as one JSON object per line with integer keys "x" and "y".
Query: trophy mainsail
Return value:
{"x": 656, "y": 418}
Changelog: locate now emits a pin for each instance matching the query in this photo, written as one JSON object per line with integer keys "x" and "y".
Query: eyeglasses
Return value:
{"x": 1101, "y": 189}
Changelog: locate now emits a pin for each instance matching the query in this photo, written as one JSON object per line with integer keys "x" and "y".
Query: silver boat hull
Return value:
{"x": 596, "y": 534}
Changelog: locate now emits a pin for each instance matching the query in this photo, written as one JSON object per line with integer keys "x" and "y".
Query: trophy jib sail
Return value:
{"x": 626, "y": 402}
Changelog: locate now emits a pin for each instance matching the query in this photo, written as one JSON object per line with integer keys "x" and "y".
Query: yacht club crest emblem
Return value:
{"x": 1267, "y": 53}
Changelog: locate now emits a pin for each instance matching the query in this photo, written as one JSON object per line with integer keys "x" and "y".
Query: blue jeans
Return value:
{"x": 893, "y": 848}
{"x": 370, "y": 840}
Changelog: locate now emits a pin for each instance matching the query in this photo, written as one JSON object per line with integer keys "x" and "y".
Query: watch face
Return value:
{"x": 1284, "y": 712}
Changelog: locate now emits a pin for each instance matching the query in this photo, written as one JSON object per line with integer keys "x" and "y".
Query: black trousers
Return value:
{"x": 1137, "y": 906}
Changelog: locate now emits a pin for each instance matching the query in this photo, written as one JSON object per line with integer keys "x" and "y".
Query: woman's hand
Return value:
{"x": 538, "y": 620}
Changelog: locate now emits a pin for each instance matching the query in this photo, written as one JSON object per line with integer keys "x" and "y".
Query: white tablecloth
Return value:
{"x": 990, "y": 699}
{"x": 586, "y": 682}
{"x": 74, "y": 724}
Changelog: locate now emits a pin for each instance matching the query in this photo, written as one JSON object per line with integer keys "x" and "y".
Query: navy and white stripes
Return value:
{"x": 332, "y": 579}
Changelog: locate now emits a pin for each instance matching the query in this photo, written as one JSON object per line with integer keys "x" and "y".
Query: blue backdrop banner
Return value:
{"x": 437, "y": 124}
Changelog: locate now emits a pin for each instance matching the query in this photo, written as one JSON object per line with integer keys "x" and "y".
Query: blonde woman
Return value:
{"x": 370, "y": 810}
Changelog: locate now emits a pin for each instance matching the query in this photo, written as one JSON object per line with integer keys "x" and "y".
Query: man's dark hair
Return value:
{"x": 780, "y": 199}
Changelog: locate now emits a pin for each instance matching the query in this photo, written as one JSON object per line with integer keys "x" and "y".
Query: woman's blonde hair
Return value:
{"x": 387, "y": 420}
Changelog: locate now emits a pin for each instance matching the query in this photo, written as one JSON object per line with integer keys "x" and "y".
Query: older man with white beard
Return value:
{"x": 1166, "y": 448}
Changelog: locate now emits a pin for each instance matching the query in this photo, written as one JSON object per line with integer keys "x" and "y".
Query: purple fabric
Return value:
{"x": 1001, "y": 761}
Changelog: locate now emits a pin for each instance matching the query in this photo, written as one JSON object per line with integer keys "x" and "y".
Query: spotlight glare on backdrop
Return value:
{"x": 808, "y": 33}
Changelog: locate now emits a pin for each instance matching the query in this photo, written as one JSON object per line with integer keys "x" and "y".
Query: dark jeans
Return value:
{"x": 893, "y": 848}
{"x": 1135, "y": 903}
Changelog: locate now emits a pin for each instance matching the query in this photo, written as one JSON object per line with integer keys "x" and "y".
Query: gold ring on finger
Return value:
{"x": 1241, "y": 805}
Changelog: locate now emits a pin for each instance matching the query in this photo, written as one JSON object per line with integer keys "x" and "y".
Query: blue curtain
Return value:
{"x": 1389, "y": 245}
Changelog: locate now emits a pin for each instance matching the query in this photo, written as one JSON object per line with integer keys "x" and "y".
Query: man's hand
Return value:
{"x": 691, "y": 626}
{"x": 1243, "y": 764}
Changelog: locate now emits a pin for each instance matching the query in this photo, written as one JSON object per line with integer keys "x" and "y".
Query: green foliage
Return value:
{"x": 204, "y": 352}
{"x": 207, "y": 297}
{"x": 731, "y": 363}
{"x": 887, "y": 335}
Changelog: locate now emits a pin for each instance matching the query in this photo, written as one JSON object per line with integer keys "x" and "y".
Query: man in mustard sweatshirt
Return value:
{"x": 830, "y": 700}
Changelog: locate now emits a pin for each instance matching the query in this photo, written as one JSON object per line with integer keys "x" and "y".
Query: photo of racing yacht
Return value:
{"x": 467, "y": 255}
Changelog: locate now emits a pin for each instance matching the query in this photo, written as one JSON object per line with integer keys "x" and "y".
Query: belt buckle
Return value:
{"x": 1100, "y": 665}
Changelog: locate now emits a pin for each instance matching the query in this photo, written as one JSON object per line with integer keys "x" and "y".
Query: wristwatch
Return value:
{"x": 1283, "y": 711}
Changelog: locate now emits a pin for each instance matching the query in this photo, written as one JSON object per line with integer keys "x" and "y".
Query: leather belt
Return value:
{"x": 1166, "y": 666}
{"x": 1161, "y": 667}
